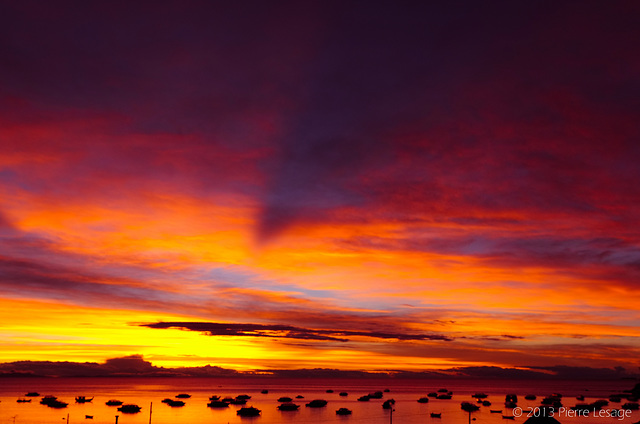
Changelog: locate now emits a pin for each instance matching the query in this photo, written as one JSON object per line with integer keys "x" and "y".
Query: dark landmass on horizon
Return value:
{"x": 137, "y": 366}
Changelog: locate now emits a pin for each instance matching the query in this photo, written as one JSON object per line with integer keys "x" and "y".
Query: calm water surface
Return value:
{"x": 148, "y": 393}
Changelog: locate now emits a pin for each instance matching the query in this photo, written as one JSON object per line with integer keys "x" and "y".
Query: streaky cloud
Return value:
{"x": 288, "y": 332}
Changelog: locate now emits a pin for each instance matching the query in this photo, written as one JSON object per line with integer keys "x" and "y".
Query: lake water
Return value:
{"x": 148, "y": 393}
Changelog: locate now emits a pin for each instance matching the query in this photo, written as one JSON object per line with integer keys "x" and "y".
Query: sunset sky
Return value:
{"x": 321, "y": 184}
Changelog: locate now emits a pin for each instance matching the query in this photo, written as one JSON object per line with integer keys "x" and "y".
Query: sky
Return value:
{"x": 352, "y": 185}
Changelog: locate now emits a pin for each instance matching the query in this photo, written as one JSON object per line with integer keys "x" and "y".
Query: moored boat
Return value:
{"x": 129, "y": 408}
{"x": 113, "y": 402}
{"x": 343, "y": 411}
{"x": 248, "y": 411}
{"x": 317, "y": 403}
{"x": 287, "y": 406}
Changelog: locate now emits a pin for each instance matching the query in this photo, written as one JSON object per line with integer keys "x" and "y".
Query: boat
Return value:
{"x": 317, "y": 403}
{"x": 217, "y": 404}
{"x": 508, "y": 417}
{"x": 376, "y": 395}
{"x": 214, "y": 397}
{"x": 23, "y": 400}
{"x": 32, "y": 394}
{"x": 480, "y": 396}
{"x": 172, "y": 402}
{"x": 469, "y": 407}
{"x": 388, "y": 404}
{"x": 530, "y": 397}
{"x": 83, "y": 399}
{"x": 129, "y": 408}
{"x": 444, "y": 396}
{"x": 299, "y": 397}
{"x": 343, "y": 411}
{"x": 246, "y": 397}
{"x": 486, "y": 403}
{"x": 284, "y": 399}
{"x": 343, "y": 394}
{"x": 113, "y": 402}
{"x": 249, "y": 411}
{"x": 288, "y": 406}
{"x": 89, "y": 417}
{"x": 237, "y": 401}
{"x": 443, "y": 390}
{"x": 53, "y": 402}
{"x": 580, "y": 397}
{"x": 433, "y": 395}
{"x": 495, "y": 411}
{"x": 436, "y": 415}
{"x": 423, "y": 400}
{"x": 365, "y": 398}
{"x": 329, "y": 391}
{"x": 183, "y": 396}
{"x": 264, "y": 391}
{"x": 511, "y": 398}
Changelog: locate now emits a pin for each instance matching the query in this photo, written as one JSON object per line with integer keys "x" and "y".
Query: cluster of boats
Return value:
{"x": 287, "y": 403}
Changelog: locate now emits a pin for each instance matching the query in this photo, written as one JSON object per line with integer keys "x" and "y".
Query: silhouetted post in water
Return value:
{"x": 117, "y": 418}
{"x": 150, "y": 411}
{"x": 391, "y": 415}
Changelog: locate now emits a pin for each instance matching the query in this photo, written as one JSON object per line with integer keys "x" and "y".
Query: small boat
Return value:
{"x": 423, "y": 400}
{"x": 443, "y": 390}
{"x": 53, "y": 402}
{"x": 183, "y": 396}
{"x": 511, "y": 398}
{"x": 486, "y": 403}
{"x": 237, "y": 401}
{"x": 248, "y": 412}
{"x": 32, "y": 394}
{"x": 508, "y": 417}
{"x": 246, "y": 397}
{"x": 264, "y": 391}
{"x": 174, "y": 403}
{"x": 113, "y": 402}
{"x": 480, "y": 396}
{"x": 436, "y": 415}
{"x": 495, "y": 411}
{"x": 343, "y": 411}
{"x": 214, "y": 397}
{"x": 343, "y": 394}
{"x": 217, "y": 404}
{"x": 284, "y": 399}
{"x": 299, "y": 397}
{"x": 317, "y": 403}
{"x": 88, "y": 417}
{"x": 329, "y": 391}
{"x": 365, "y": 398}
{"x": 445, "y": 396}
{"x": 433, "y": 395}
{"x": 388, "y": 404}
{"x": 376, "y": 395}
{"x": 23, "y": 400}
{"x": 129, "y": 408}
{"x": 386, "y": 390}
{"x": 288, "y": 406}
{"x": 83, "y": 399}
{"x": 469, "y": 407}
{"x": 580, "y": 397}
